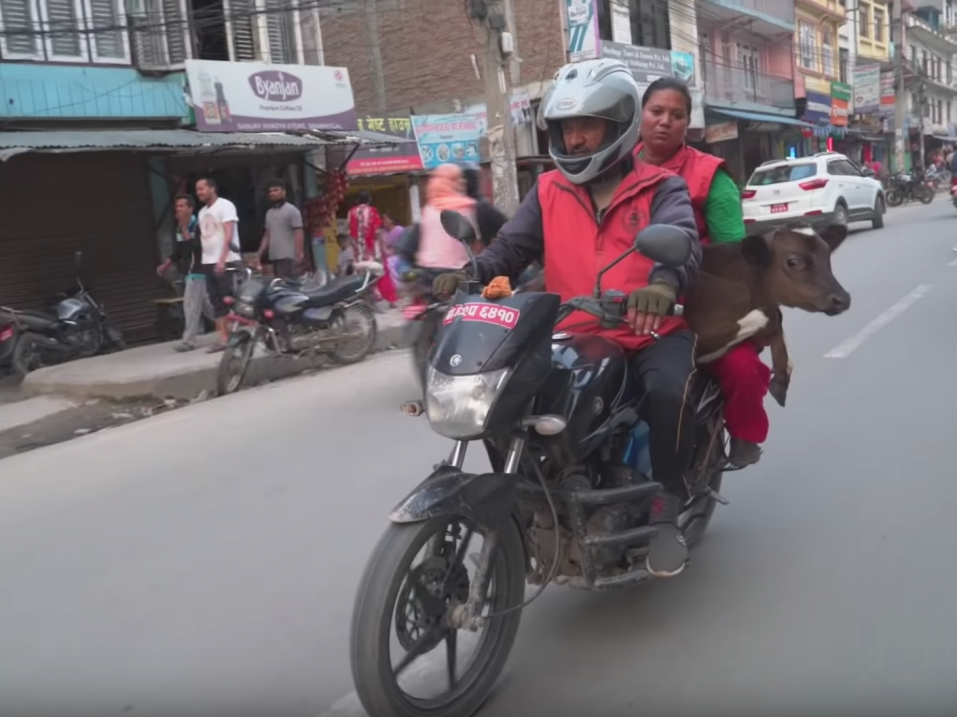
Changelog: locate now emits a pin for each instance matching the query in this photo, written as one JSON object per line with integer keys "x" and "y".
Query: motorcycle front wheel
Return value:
{"x": 926, "y": 195}
{"x": 233, "y": 365}
{"x": 407, "y": 602}
{"x": 428, "y": 328}
{"x": 893, "y": 198}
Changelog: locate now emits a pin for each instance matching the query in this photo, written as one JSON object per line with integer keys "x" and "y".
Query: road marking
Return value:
{"x": 848, "y": 347}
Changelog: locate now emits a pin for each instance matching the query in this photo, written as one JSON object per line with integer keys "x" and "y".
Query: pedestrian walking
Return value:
{"x": 219, "y": 234}
{"x": 283, "y": 239}
{"x": 187, "y": 255}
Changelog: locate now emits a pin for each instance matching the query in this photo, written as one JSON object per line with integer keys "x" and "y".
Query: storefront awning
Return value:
{"x": 177, "y": 140}
{"x": 760, "y": 117}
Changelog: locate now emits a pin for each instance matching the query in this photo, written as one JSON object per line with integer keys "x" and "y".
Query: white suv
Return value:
{"x": 827, "y": 188}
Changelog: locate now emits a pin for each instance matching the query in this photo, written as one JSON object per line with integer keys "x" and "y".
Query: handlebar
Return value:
{"x": 610, "y": 309}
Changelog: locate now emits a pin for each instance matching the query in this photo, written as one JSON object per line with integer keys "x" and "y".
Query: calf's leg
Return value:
{"x": 780, "y": 367}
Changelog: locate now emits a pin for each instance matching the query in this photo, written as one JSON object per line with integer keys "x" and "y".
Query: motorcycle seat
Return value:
{"x": 335, "y": 291}
{"x": 35, "y": 319}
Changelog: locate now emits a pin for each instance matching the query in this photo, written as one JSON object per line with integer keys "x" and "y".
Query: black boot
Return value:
{"x": 668, "y": 552}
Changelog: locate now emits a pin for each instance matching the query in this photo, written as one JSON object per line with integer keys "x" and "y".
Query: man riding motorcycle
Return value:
{"x": 576, "y": 220}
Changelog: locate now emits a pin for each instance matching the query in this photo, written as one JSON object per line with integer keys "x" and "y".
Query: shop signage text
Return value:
{"x": 447, "y": 138}
{"x": 818, "y": 108}
{"x": 583, "y": 37}
{"x": 386, "y": 160}
{"x": 260, "y": 97}
{"x": 721, "y": 132}
{"x": 888, "y": 100}
{"x": 867, "y": 89}
{"x": 840, "y": 103}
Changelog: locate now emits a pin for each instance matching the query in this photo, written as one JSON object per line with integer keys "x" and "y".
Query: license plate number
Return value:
{"x": 778, "y": 208}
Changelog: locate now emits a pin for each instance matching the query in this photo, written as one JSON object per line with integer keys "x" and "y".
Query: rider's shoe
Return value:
{"x": 744, "y": 453}
{"x": 667, "y": 551}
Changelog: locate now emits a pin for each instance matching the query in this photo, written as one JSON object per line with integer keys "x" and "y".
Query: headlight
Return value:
{"x": 457, "y": 406}
{"x": 244, "y": 309}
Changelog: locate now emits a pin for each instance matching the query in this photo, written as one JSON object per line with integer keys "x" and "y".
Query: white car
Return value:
{"x": 826, "y": 188}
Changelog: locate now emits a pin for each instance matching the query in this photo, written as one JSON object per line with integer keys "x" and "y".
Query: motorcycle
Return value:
{"x": 77, "y": 327}
{"x": 906, "y": 187}
{"x": 8, "y": 342}
{"x": 564, "y": 501}
{"x": 293, "y": 320}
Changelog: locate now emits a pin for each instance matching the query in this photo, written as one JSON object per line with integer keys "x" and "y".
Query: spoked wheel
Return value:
{"x": 233, "y": 365}
{"x": 409, "y": 602}
{"x": 360, "y": 327}
{"x": 29, "y": 354}
{"x": 893, "y": 198}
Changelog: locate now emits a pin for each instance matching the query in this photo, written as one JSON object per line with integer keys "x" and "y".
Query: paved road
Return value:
{"x": 204, "y": 562}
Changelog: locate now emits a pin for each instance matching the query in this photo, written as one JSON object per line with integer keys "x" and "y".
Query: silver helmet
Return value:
{"x": 593, "y": 88}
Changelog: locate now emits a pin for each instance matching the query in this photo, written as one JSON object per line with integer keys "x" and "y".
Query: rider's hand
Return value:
{"x": 446, "y": 284}
{"x": 648, "y": 306}
{"x": 221, "y": 267}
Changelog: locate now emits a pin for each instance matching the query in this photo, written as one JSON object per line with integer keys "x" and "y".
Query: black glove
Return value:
{"x": 647, "y": 306}
{"x": 446, "y": 284}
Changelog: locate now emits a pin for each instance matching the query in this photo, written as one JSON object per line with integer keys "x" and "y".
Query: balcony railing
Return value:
{"x": 723, "y": 83}
{"x": 780, "y": 9}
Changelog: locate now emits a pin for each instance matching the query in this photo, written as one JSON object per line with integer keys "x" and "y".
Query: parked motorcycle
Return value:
{"x": 558, "y": 417}
{"x": 905, "y": 187}
{"x": 77, "y": 327}
{"x": 292, "y": 319}
{"x": 8, "y": 341}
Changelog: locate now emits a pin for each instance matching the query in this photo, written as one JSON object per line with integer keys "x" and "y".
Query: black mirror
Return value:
{"x": 868, "y": 172}
{"x": 664, "y": 244}
{"x": 78, "y": 258}
{"x": 457, "y": 226}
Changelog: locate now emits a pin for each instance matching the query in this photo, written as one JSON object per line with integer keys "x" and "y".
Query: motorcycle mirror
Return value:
{"x": 664, "y": 244}
{"x": 457, "y": 226}
{"x": 78, "y": 258}
{"x": 868, "y": 172}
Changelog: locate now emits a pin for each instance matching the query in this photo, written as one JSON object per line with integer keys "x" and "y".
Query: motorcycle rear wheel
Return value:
{"x": 28, "y": 354}
{"x": 362, "y": 317}
{"x": 233, "y": 366}
{"x": 893, "y": 198}
{"x": 375, "y": 619}
{"x": 926, "y": 195}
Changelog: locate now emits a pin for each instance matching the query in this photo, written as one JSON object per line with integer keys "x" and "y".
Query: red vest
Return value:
{"x": 698, "y": 170}
{"x": 577, "y": 247}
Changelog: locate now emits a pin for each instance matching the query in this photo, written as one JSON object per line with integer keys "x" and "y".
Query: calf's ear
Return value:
{"x": 756, "y": 250}
{"x": 833, "y": 235}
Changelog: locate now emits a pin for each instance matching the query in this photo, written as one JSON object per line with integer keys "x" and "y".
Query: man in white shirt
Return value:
{"x": 219, "y": 234}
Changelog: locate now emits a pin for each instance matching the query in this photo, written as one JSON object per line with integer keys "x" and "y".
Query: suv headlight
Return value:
{"x": 458, "y": 406}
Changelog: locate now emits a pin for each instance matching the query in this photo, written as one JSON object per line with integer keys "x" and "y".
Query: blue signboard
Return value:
{"x": 818, "y": 108}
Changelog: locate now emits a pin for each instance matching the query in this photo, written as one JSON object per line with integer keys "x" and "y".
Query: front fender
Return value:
{"x": 486, "y": 498}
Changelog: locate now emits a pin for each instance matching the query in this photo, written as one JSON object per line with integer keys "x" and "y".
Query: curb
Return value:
{"x": 197, "y": 383}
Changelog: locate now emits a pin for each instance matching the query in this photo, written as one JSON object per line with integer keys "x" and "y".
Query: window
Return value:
{"x": 61, "y": 19}
{"x": 878, "y": 25}
{"x": 949, "y": 108}
{"x": 106, "y": 22}
{"x": 808, "y": 45}
{"x": 159, "y": 33}
{"x": 749, "y": 62}
{"x": 844, "y": 63}
{"x": 650, "y": 23}
{"x": 781, "y": 174}
{"x": 940, "y": 112}
{"x": 827, "y": 53}
{"x": 864, "y": 22}
{"x": 923, "y": 62}
{"x": 280, "y": 28}
{"x": 18, "y": 22}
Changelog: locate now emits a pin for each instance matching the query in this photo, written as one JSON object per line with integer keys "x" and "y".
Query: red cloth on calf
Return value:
{"x": 744, "y": 381}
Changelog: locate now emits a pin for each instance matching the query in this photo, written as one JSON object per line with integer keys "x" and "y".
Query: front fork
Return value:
{"x": 468, "y": 615}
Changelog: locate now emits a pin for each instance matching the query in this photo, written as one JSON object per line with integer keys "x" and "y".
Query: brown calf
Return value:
{"x": 742, "y": 287}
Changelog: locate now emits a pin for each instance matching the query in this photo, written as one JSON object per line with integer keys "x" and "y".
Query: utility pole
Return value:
{"x": 900, "y": 104}
{"x": 501, "y": 134}
{"x": 921, "y": 113}
{"x": 372, "y": 27}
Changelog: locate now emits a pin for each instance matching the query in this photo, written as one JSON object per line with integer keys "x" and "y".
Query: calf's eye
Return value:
{"x": 793, "y": 262}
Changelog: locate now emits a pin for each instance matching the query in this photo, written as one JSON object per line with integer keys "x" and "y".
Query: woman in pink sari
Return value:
{"x": 364, "y": 226}
{"x": 445, "y": 190}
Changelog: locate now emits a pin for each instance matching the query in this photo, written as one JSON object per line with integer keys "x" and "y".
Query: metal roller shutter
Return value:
{"x": 52, "y": 206}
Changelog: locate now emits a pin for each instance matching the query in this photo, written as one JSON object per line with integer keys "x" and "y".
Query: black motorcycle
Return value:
{"x": 905, "y": 187}
{"x": 291, "y": 319}
{"x": 564, "y": 501}
{"x": 77, "y": 327}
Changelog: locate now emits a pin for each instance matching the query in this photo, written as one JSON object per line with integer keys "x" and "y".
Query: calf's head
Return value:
{"x": 796, "y": 268}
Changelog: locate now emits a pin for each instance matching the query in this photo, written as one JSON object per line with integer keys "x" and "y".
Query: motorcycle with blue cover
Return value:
{"x": 564, "y": 500}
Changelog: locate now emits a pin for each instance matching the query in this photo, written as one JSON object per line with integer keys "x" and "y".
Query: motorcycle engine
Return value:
{"x": 83, "y": 335}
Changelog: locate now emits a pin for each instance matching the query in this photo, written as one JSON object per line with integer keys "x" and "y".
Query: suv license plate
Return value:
{"x": 778, "y": 208}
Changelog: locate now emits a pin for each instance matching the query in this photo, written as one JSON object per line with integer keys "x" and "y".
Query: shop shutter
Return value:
{"x": 99, "y": 203}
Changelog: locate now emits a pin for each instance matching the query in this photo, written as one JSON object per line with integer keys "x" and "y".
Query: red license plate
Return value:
{"x": 778, "y": 208}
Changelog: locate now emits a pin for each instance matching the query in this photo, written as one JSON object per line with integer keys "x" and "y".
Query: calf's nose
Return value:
{"x": 840, "y": 301}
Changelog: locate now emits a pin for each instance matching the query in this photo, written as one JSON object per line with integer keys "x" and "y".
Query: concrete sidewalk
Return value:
{"x": 160, "y": 372}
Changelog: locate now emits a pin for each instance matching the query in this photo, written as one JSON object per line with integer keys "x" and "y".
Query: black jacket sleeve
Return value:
{"x": 520, "y": 242}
